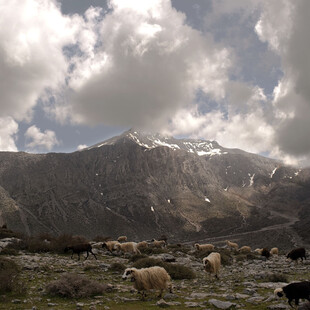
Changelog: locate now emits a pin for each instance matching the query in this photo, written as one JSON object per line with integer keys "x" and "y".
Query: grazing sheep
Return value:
{"x": 142, "y": 245}
{"x": 127, "y": 247}
{"x": 159, "y": 243}
{"x": 274, "y": 251}
{"x": 259, "y": 251}
{"x": 212, "y": 263}
{"x": 204, "y": 247}
{"x": 122, "y": 239}
{"x": 149, "y": 278}
{"x": 265, "y": 253}
{"x": 245, "y": 249}
{"x": 232, "y": 245}
{"x": 297, "y": 253}
{"x": 296, "y": 291}
{"x": 80, "y": 248}
{"x": 110, "y": 245}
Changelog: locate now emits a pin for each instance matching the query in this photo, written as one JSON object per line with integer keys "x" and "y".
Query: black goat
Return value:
{"x": 296, "y": 291}
{"x": 297, "y": 253}
{"x": 80, "y": 248}
{"x": 266, "y": 253}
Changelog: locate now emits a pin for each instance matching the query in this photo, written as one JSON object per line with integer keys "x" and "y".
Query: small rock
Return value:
{"x": 16, "y": 301}
{"x": 278, "y": 307}
{"x": 162, "y": 304}
{"x": 221, "y": 304}
{"x": 190, "y": 304}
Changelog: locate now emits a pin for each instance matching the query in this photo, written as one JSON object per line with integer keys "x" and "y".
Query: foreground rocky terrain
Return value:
{"x": 246, "y": 281}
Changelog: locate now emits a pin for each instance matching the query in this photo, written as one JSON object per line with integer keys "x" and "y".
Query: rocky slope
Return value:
{"x": 147, "y": 185}
{"x": 245, "y": 282}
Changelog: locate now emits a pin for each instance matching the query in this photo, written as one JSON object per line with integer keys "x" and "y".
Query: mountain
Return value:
{"x": 145, "y": 185}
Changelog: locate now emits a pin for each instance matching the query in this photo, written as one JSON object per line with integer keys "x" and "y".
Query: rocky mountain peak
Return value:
{"x": 153, "y": 140}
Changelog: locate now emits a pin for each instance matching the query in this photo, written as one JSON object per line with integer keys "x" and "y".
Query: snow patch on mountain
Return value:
{"x": 199, "y": 147}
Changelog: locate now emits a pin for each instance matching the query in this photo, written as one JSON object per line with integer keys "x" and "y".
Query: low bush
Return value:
{"x": 276, "y": 277}
{"x": 136, "y": 257}
{"x": 75, "y": 286}
{"x": 152, "y": 251}
{"x": 179, "y": 272}
{"x": 8, "y": 251}
{"x": 9, "y": 280}
{"x": 117, "y": 267}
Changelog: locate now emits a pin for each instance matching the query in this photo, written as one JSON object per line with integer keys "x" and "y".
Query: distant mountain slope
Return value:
{"x": 147, "y": 185}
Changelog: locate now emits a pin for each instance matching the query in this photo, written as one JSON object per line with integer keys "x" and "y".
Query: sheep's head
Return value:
{"x": 279, "y": 292}
{"x": 196, "y": 245}
{"x": 129, "y": 273}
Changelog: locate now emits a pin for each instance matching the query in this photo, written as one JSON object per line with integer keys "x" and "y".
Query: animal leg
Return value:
{"x": 93, "y": 253}
{"x": 290, "y": 302}
{"x": 160, "y": 294}
{"x": 79, "y": 255}
{"x": 86, "y": 255}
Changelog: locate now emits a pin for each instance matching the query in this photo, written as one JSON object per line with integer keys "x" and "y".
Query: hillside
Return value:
{"x": 144, "y": 186}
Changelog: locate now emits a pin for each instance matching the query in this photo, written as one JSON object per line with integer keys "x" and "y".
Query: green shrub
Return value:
{"x": 75, "y": 286}
{"x": 178, "y": 248}
{"x": 136, "y": 257}
{"x": 9, "y": 280}
{"x": 152, "y": 251}
{"x": 276, "y": 277}
{"x": 179, "y": 272}
{"x": 8, "y": 251}
{"x": 148, "y": 262}
{"x": 117, "y": 267}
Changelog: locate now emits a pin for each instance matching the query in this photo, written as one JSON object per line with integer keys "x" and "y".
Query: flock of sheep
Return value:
{"x": 157, "y": 277}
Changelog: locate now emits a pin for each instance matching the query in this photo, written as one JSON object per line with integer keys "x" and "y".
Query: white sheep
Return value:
{"x": 159, "y": 243}
{"x": 204, "y": 247}
{"x": 142, "y": 245}
{"x": 212, "y": 263}
{"x": 149, "y": 278}
{"x": 245, "y": 249}
{"x": 259, "y": 251}
{"x": 110, "y": 245}
{"x": 127, "y": 247}
{"x": 274, "y": 251}
{"x": 122, "y": 239}
{"x": 232, "y": 245}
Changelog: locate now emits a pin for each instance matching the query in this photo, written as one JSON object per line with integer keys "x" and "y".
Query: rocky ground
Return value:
{"x": 246, "y": 282}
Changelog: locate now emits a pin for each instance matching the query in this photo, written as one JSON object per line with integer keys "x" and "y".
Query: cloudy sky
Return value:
{"x": 76, "y": 72}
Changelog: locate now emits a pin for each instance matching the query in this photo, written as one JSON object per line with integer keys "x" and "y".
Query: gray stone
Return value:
{"x": 190, "y": 304}
{"x": 278, "y": 307}
{"x": 162, "y": 304}
{"x": 219, "y": 304}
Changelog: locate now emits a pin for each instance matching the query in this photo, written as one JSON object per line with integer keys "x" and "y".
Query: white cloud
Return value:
{"x": 32, "y": 37}
{"x": 146, "y": 64}
{"x": 8, "y": 132}
{"x": 35, "y": 139}
{"x": 284, "y": 26}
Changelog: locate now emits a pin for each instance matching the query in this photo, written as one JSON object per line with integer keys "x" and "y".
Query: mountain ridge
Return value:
{"x": 127, "y": 185}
